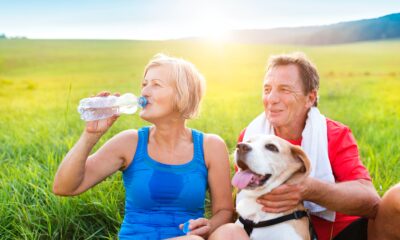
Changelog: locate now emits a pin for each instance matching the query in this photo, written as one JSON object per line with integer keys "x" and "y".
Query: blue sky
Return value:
{"x": 168, "y": 19}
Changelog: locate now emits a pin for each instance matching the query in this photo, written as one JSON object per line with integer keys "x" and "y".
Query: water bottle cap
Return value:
{"x": 142, "y": 102}
{"x": 185, "y": 228}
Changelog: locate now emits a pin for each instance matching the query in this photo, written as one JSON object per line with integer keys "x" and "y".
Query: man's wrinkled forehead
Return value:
{"x": 282, "y": 75}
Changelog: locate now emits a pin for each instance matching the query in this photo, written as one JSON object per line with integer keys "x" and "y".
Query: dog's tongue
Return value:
{"x": 242, "y": 179}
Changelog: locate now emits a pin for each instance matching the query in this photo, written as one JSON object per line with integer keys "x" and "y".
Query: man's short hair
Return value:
{"x": 308, "y": 71}
{"x": 187, "y": 81}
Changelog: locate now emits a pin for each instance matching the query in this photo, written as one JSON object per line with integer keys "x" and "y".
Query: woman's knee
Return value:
{"x": 229, "y": 231}
{"x": 187, "y": 237}
{"x": 194, "y": 237}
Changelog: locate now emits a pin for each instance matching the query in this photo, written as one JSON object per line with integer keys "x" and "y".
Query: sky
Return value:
{"x": 171, "y": 19}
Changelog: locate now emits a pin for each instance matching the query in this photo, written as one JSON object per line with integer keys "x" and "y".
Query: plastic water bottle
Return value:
{"x": 96, "y": 108}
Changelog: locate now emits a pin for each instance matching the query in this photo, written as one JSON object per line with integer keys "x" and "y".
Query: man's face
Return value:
{"x": 284, "y": 101}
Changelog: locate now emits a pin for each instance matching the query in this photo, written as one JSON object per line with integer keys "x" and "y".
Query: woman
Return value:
{"x": 166, "y": 167}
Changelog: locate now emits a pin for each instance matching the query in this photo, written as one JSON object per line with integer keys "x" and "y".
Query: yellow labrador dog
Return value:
{"x": 266, "y": 162}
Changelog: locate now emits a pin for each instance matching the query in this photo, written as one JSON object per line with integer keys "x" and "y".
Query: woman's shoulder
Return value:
{"x": 212, "y": 137}
{"x": 213, "y": 142}
{"x": 126, "y": 142}
{"x": 215, "y": 150}
{"x": 127, "y": 135}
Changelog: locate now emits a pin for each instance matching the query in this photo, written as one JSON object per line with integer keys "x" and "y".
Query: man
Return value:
{"x": 339, "y": 193}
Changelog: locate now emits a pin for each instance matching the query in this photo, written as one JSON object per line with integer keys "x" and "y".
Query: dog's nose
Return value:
{"x": 243, "y": 147}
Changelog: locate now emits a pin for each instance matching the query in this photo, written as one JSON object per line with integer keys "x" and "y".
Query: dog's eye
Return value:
{"x": 271, "y": 147}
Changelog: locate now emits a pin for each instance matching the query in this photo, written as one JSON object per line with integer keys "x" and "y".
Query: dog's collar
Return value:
{"x": 249, "y": 225}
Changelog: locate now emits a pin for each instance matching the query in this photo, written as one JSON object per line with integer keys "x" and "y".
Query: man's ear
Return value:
{"x": 305, "y": 165}
{"x": 312, "y": 98}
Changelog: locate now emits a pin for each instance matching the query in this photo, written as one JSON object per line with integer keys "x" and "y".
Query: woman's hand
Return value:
{"x": 99, "y": 127}
{"x": 200, "y": 227}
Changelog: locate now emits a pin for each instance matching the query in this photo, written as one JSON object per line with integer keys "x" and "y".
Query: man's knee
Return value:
{"x": 391, "y": 199}
{"x": 385, "y": 225}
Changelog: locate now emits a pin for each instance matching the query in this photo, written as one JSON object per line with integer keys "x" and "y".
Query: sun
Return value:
{"x": 213, "y": 27}
{"x": 216, "y": 35}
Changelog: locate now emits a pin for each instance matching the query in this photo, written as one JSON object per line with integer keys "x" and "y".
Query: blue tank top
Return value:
{"x": 159, "y": 196}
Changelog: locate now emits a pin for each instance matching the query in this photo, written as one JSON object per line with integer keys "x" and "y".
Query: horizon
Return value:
{"x": 175, "y": 19}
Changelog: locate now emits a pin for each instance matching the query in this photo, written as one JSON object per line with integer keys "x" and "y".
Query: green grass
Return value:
{"x": 41, "y": 83}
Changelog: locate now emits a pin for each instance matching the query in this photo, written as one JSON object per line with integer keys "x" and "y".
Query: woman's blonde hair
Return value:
{"x": 188, "y": 82}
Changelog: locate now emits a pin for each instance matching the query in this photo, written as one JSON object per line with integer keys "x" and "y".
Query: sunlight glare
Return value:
{"x": 212, "y": 28}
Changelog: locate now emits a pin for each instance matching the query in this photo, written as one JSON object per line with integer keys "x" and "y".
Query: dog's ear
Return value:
{"x": 301, "y": 157}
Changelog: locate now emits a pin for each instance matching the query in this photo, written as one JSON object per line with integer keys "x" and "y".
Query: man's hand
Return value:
{"x": 284, "y": 197}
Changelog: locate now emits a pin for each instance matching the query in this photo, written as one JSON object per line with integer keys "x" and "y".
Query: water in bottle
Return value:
{"x": 96, "y": 108}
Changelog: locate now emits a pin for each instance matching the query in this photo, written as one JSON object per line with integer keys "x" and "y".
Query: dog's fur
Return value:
{"x": 279, "y": 162}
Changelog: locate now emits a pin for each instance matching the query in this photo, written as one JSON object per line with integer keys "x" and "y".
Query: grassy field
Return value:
{"x": 41, "y": 83}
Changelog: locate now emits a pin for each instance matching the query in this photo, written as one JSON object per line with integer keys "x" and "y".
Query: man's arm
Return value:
{"x": 356, "y": 197}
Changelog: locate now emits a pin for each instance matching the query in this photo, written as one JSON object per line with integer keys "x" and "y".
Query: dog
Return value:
{"x": 266, "y": 162}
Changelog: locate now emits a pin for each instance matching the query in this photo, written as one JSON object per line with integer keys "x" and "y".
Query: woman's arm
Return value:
{"x": 217, "y": 160}
{"x": 78, "y": 172}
